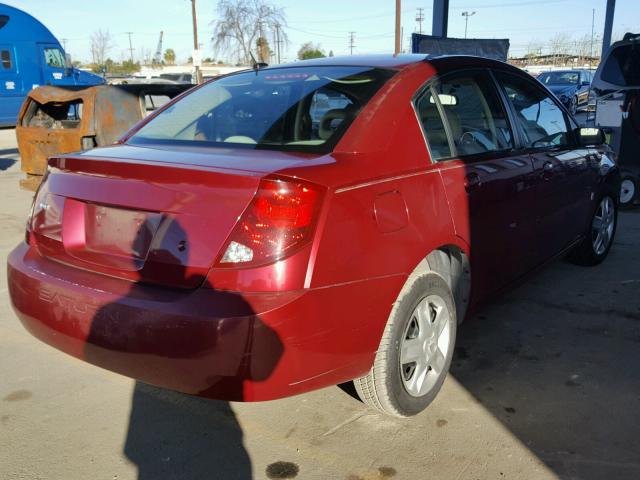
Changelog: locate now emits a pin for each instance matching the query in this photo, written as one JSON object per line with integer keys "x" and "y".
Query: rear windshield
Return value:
{"x": 303, "y": 109}
{"x": 623, "y": 66}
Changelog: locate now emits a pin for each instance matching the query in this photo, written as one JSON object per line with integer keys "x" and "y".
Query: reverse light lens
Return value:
{"x": 237, "y": 253}
{"x": 279, "y": 220}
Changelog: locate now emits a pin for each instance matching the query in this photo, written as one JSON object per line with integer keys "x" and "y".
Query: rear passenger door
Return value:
{"x": 488, "y": 184}
{"x": 563, "y": 175}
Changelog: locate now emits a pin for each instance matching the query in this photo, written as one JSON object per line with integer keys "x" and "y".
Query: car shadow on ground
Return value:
{"x": 556, "y": 362}
{"x": 7, "y": 162}
{"x": 168, "y": 335}
{"x": 176, "y": 436}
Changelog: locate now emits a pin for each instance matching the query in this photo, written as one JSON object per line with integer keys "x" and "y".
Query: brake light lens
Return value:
{"x": 279, "y": 220}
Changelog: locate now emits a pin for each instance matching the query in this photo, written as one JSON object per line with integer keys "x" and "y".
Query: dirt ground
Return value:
{"x": 545, "y": 384}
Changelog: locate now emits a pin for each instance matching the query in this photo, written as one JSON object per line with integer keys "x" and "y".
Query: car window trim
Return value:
{"x": 428, "y": 86}
{"x": 569, "y": 123}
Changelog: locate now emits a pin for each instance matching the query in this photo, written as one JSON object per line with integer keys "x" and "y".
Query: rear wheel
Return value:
{"x": 628, "y": 191}
{"x": 416, "y": 349}
{"x": 598, "y": 240}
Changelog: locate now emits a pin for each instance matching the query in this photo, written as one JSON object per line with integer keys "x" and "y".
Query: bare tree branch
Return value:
{"x": 241, "y": 23}
{"x": 101, "y": 44}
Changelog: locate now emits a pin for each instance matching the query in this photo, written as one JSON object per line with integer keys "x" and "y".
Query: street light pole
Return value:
{"x": 466, "y": 16}
{"x": 195, "y": 39}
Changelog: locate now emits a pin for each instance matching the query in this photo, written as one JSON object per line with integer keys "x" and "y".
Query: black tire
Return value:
{"x": 586, "y": 252}
{"x": 383, "y": 388}
{"x": 573, "y": 106}
{"x": 628, "y": 192}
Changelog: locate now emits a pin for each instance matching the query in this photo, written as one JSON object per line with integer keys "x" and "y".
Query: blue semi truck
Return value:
{"x": 31, "y": 56}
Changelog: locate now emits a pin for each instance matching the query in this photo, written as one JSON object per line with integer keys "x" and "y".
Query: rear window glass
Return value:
{"x": 300, "y": 109}
{"x": 53, "y": 115}
{"x": 623, "y": 66}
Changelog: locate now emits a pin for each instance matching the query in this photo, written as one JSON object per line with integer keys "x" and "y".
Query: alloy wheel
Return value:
{"x": 627, "y": 191}
{"x": 603, "y": 225}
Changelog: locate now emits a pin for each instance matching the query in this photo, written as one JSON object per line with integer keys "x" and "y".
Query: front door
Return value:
{"x": 563, "y": 173}
{"x": 54, "y": 71}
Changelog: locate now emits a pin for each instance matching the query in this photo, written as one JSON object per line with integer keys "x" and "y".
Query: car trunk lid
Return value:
{"x": 162, "y": 223}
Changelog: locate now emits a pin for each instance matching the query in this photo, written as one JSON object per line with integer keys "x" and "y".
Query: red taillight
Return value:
{"x": 279, "y": 220}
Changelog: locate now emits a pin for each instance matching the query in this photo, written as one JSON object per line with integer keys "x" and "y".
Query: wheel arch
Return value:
{"x": 451, "y": 262}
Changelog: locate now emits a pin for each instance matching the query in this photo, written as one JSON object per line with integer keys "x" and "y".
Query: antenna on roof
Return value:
{"x": 255, "y": 64}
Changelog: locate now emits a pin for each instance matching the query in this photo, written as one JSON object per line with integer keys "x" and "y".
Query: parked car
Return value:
{"x": 227, "y": 249}
{"x": 617, "y": 86}
{"x": 178, "y": 77}
{"x": 572, "y": 87}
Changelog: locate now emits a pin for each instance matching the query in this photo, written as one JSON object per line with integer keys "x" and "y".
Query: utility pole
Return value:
{"x": 278, "y": 41}
{"x": 64, "y": 44}
{"x": 466, "y": 16}
{"x": 608, "y": 26}
{"x": 420, "y": 19}
{"x": 195, "y": 41}
{"x": 593, "y": 21}
{"x": 398, "y": 34}
{"x": 351, "y": 42}
{"x": 130, "y": 46}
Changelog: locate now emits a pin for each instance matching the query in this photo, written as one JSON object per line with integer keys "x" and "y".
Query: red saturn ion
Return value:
{"x": 288, "y": 228}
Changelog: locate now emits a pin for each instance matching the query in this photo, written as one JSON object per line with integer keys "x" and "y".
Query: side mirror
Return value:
{"x": 590, "y": 137}
{"x": 68, "y": 65}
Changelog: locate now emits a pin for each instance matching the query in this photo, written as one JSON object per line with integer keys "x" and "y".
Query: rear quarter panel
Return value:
{"x": 385, "y": 211}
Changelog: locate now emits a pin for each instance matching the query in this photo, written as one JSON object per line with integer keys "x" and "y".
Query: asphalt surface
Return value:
{"x": 545, "y": 384}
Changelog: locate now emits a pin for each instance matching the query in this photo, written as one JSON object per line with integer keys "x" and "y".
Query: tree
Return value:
{"x": 331, "y": 53}
{"x": 101, "y": 44}
{"x": 534, "y": 49}
{"x": 559, "y": 45}
{"x": 242, "y": 22}
{"x": 170, "y": 56}
{"x": 264, "y": 52}
{"x": 309, "y": 50}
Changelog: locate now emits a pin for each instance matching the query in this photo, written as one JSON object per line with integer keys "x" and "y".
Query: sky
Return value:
{"x": 327, "y": 23}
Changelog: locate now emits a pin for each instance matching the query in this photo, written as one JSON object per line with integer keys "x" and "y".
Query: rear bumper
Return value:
{"x": 204, "y": 342}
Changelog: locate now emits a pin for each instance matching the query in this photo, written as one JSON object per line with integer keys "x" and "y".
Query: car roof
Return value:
{"x": 376, "y": 61}
{"x": 396, "y": 62}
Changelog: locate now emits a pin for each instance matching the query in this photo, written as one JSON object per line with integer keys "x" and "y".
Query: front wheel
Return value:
{"x": 415, "y": 351}
{"x": 573, "y": 106}
{"x": 598, "y": 239}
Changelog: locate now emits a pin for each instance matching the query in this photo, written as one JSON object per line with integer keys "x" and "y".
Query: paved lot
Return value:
{"x": 545, "y": 384}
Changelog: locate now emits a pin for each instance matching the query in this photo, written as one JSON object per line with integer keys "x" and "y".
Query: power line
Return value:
{"x": 351, "y": 42}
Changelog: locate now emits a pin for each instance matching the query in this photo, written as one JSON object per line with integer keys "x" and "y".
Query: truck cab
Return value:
{"x": 30, "y": 56}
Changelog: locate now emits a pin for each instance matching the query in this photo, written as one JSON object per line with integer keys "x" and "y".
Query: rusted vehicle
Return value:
{"x": 55, "y": 120}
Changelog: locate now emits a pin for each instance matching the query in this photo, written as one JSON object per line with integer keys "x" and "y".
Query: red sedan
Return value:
{"x": 284, "y": 229}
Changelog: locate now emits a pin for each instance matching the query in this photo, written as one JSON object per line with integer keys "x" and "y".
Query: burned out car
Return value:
{"x": 56, "y": 120}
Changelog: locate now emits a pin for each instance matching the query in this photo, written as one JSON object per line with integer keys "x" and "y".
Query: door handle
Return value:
{"x": 472, "y": 181}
